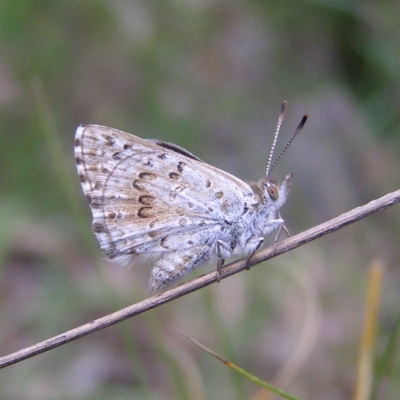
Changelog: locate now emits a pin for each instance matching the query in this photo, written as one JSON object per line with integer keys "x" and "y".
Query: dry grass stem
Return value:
{"x": 204, "y": 280}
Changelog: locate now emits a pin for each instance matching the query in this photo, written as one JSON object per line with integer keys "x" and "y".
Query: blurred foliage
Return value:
{"x": 208, "y": 75}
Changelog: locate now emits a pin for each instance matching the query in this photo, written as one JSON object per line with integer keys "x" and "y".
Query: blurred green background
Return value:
{"x": 208, "y": 75}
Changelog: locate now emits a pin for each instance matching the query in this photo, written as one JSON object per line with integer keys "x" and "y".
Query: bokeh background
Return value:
{"x": 208, "y": 75}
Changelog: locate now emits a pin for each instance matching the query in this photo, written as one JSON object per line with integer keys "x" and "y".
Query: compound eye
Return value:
{"x": 273, "y": 191}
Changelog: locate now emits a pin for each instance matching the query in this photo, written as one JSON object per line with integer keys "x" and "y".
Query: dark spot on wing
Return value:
{"x": 225, "y": 207}
{"x": 98, "y": 228}
{"x": 110, "y": 140}
{"x": 218, "y": 195}
{"x": 154, "y": 234}
{"x": 173, "y": 175}
{"x": 145, "y": 212}
{"x": 180, "y": 166}
{"x": 146, "y": 200}
{"x": 152, "y": 223}
{"x": 163, "y": 243}
{"x": 95, "y": 204}
{"x": 187, "y": 259}
{"x": 148, "y": 176}
{"x": 138, "y": 185}
{"x": 98, "y": 185}
{"x": 173, "y": 193}
{"x": 148, "y": 162}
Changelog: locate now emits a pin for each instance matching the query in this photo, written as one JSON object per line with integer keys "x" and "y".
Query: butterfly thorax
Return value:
{"x": 260, "y": 217}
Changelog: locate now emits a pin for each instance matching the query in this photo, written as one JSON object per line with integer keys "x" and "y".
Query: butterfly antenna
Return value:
{"x": 298, "y": 129}
{"x": 278, "y": 127}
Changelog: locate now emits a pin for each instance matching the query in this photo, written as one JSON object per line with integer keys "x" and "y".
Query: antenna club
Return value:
{"x": 302, "y": 122}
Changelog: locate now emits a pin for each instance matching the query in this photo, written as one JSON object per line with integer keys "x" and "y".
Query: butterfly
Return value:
{"x": 157, "y": 201}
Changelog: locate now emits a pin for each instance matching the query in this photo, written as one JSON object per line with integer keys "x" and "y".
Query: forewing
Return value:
{"x": 147, "y": 197}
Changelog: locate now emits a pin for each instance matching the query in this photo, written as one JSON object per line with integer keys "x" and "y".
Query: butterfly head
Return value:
{"x": 277, "y": 193}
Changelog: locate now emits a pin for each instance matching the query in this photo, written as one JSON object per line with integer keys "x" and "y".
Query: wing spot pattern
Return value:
{"x": 146, "y": 200}
{"x": 147, "y": 176}
{"x": 148, "y": 162}
{"x": 117, "y": 155}
{"x": 153, "y": 223}
{"x": 137, "y": 184}
{"x": 98, "y": 228}
{"x": 145, "y": 212}
{"x": 180, "y": 166}
{"x": 173, "y": 175}
{"x": 154, "y": 234}
{"x": 98, "y": 185}
{"x": 109, "y": 140}
{"x": 163, "y": 244}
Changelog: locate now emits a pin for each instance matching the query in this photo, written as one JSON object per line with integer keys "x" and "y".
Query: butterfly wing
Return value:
{"x": 149, "y": 197}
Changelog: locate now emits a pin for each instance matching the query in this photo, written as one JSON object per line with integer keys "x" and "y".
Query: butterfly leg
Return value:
{"x": 222, "y": 247}
{"x": 283, "y": 226}
{"x": 278, "y": 233}
{"x": 257, "y": 242}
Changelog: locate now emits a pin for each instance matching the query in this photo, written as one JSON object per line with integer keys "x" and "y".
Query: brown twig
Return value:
{"x": 204, "y": 280}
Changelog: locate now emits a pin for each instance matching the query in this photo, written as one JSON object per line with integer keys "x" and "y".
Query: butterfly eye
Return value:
{"x": 273, "y": 191}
